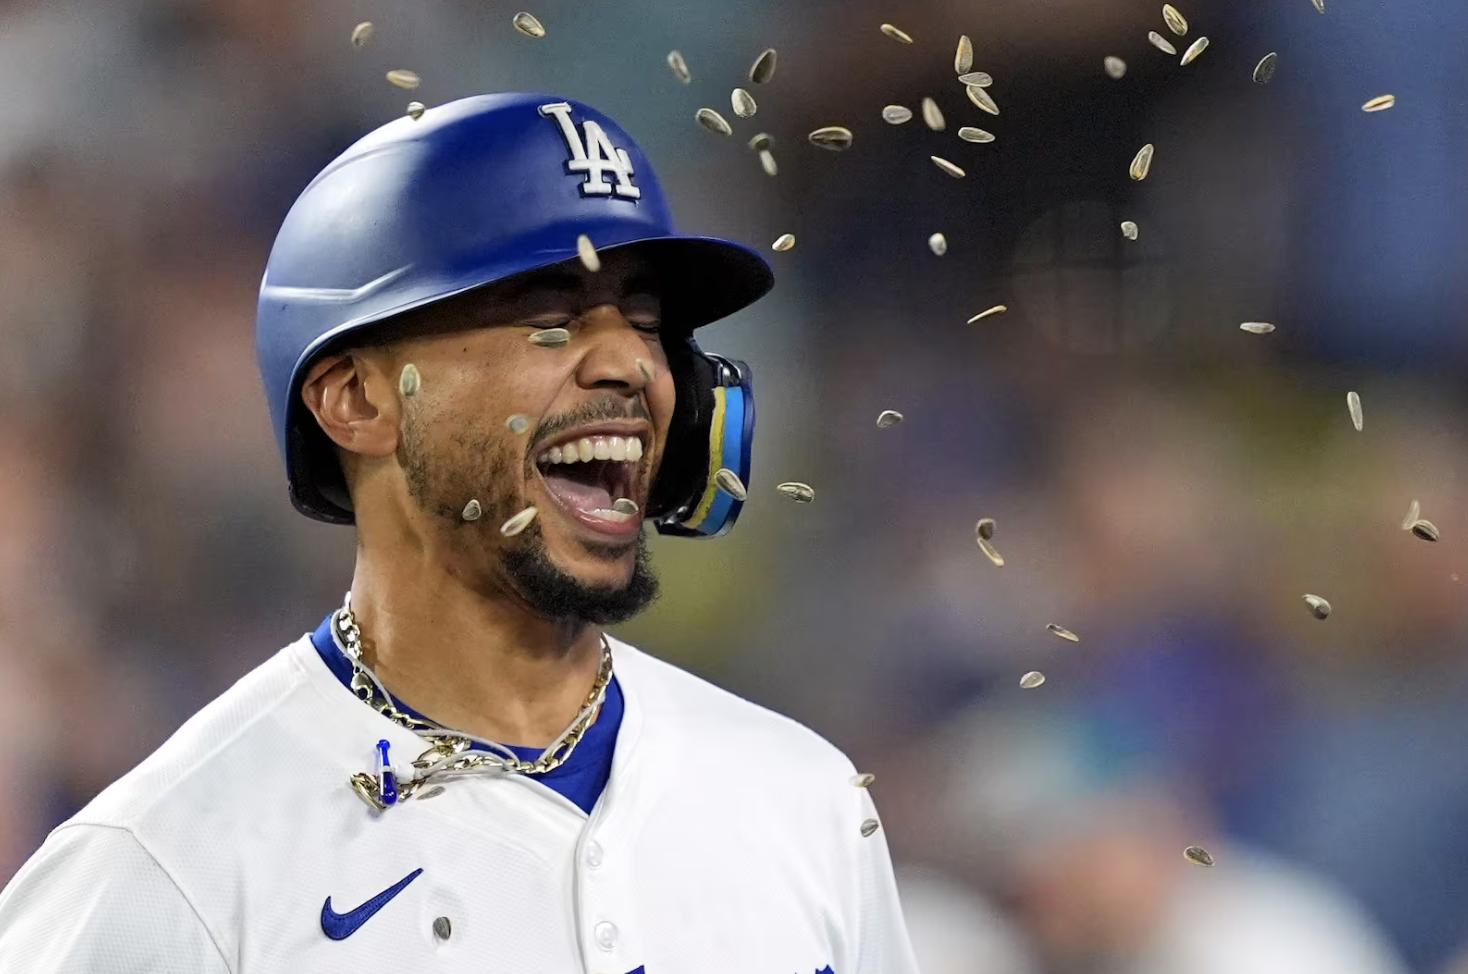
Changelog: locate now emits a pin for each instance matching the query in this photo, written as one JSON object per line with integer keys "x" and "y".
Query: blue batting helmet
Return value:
{"x": 472, "y": 193}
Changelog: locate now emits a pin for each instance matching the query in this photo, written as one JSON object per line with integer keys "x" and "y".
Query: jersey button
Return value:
{"x": 593, "y": 854}
{"x": 606, "y": 935}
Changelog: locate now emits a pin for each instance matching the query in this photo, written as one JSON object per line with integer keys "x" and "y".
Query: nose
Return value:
{"x": 612, "y": 349}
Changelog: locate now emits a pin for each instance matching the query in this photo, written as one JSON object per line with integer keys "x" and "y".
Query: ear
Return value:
{"x": 354, "y": 402}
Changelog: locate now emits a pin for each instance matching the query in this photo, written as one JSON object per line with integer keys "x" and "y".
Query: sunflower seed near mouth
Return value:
{"x": 798, "y": 492}
{"x": 550, "y": 337}
{"x": 713, "y": 121}
{"x": 625, "y": 505}
{"x": 519, "y": 522}
{"x": 1161, "y": 43}
{"x": 518, "y": 424}
{"x": 763, "y": 68}
{"x": 1319, "y": 607}
{"x": 728, "y": 481}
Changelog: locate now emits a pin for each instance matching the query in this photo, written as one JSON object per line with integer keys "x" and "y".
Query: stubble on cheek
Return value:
{"x": 446, "y": 471}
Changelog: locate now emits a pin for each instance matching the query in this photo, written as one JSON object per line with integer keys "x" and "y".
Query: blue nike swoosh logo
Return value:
{"x": 340, "y": 926}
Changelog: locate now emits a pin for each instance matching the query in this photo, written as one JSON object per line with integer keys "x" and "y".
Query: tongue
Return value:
{"x": 578, "y": 496}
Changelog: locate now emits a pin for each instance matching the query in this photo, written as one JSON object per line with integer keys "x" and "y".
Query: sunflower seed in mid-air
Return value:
{"x": 864, "y": 780}
{"x": 869, "y": 828}
{"x": 796, "y": 491}
{"x": 1380, "y": 103}
{"x": 981, "y": 99}
{"x": 1115, "y": 67}
{"x": 767, "y": 162}
{"x": 1425, "y": 530}
{"x": 1174, "y": 19}
{"x": 978, "y": 79}
{"x": 763, "y": 68}
{"x": 1319, "y": 608}
{"x": 888, "y": 418}
{"x": 998, "y": 309}
{"x": 833, "y": 137}
{"x": 963, "y": 58}
{"x": 783, "y": 242}
{"x": 589, "y": 257}
{"x": 679, "y": 67}
{"x": 990, "y": 552}
{"x": 728, "y": 481}
{"x": 984, "y": 529}
{"x": 1319, "y": 6}
{"x": 897, "y": 34}
{"x": 970, "y": 134}
{"x": 1414, "y": 511}
{"x": 933, "y": 115}
{"x": 742, "y": 102}
{"x": 410, "y": 381}
{"x": 1264, "y": 70}
{"x": 472, "y": 511}
{"x": 625, "y": 505}
{"x": 404, "y": 78}
{"x": 947, "y": 167}
{"x": 1353, "y": 406}
{"x": 1198, "y": 855}
{"x": 1129, "y": 229}
{"x": 362, "y": 34}
{"x": 518, "y": 424}
{"x": 1142, "y": 163}
{"x": 518, "y": 523}
{"x": 896, "y": 114}
{"x": 1161, "y": 43}
{"x": 527, "y": 24}
{"x": 1031, "y": 680}
{"x": 713, "y": 121}
{"x": 761, "y": 141}
{"x": 416, "y": 110}
{"x": 1194, "y": 49}
{"x": 550, "y": 337}
{"x": 1257, "y": 327}
{"x": 938, "y": 244}
{"x": 1062, "y": 632}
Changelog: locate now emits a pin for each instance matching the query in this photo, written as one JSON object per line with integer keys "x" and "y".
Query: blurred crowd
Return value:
{"x": 1163, "y": 484}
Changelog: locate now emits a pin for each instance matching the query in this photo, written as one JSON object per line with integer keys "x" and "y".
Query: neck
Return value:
{"x": 475, "y": 661}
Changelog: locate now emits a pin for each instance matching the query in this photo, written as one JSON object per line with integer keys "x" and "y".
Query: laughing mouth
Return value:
{"x": 589, "y": 475}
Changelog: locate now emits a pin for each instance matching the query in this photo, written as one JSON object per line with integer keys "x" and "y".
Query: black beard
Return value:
{"x": 558, "y": 595}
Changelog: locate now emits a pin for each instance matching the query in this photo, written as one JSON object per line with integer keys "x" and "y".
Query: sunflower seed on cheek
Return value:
{"x": 410, "y": 381}
{"x": 518, "y": 424}
{"x": 518, "y": 523}
{"x": 550, "y": 337}
{"x": 472, "y": 510}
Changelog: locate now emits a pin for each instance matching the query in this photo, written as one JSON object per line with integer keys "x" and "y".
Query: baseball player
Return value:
{"x": 475, "y": 334}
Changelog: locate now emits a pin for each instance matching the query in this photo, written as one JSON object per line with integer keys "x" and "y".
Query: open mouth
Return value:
{"x": 595, "y": 480}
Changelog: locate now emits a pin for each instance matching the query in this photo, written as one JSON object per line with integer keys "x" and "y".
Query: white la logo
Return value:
{"x": 596, "y": 157}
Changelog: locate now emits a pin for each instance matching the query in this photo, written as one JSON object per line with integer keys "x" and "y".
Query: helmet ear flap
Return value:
{"x": 685, "y": 460}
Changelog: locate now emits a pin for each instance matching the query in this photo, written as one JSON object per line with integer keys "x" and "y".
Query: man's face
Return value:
{"x": 598, "y": 409}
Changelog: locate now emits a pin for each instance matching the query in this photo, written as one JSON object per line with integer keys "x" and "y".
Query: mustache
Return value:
{"x": 597, "y": 411}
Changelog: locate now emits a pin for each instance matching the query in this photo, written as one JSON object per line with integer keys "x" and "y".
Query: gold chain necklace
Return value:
{"x": 450, "y": 752}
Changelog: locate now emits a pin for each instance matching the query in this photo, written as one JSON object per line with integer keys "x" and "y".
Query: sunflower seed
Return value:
{"x": 763, "y": 68}
{"x": 679, "y": 66}
{"x": 1353, "y": 406}
{"x": 1115, "y": 67}
{"x": 1257, "y": 327}
{"x": 933, "y": 115}
{"x": 410, "y": 381}
{"x": 864, "y": 780}
{"x": 1425, "y": 530}
{"x": 550, "y": 337}
{"x": 645, "y": 369}
{"x": 1414, "y": 511}
{"x": 761, "y": 141}
{"x": 1176, "y": 22}
{"x": 963, "y": 58}
{"x": 1198, "y": 855}
{"x": 1194, "y": 49}
{"x": 901, "y": 36}
{"x": 998, "y": 309}
{"x": 1031, "y": 680}
{"x": 728, "y": 481}
{"x": 1161, "y": 43}
{"x": 990, "y": 552}
{"x": 404, "y": 78}
{"x": 362, "y": 34}
{"x": 970, "y": 134}
{"x": 1319, "y": 5}
{"x": 589, "y": 257}
{"x": 1319, "y": 608}
{"x": 1142, "y": 164}
{"x": 796, "y": 491}
{"x": 415, "y": 110}
{"x": 981, "y": 99}
{"x": 1264, "y": 70}
{"x": 625, "y": 505}
{"x": 743, "y": 103}
{"x": 1062, "y": 632}
{"x": 947, "y": 167}
{"x": 518, "y": 523}
{"x": 1380, "y": 103}
{"x": 527, "y": 24}
{"x": 888, "y": 418}
{"x": 472, "y": 511}
{"x": 832, "y": 137}
{"x": 713, "y": 121}
{"x": 938, "y": 244}
{"x": 783, "y": 242}
{"x": 442, "y": 928}
{"x": 767, "y": 162}
{"x": 984, "y": 529}
{"x": 1129, "y": 229}
{"x": 896, "y": 114}
{"x": 869, "y": 828}
{"x": 978, "y": 79}
{"x": 517, "y": 424}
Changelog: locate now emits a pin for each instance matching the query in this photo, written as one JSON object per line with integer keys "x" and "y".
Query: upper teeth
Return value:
{"x": 628, "y": 448}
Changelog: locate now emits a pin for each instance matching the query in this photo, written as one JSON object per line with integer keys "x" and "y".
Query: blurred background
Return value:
{"x": 1163, "y": 483}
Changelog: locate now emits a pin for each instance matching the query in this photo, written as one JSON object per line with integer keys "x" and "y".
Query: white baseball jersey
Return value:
{"x": 727, "y": 841}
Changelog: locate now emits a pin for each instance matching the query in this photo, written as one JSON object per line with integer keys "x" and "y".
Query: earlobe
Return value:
{"x": 343, "y": 393}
